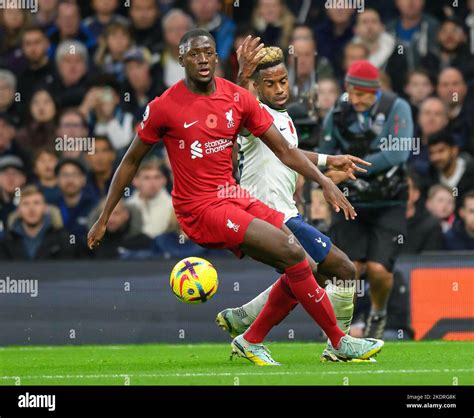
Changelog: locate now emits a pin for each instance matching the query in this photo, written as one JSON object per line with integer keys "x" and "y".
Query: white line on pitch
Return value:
{"x": 338, "y": 372}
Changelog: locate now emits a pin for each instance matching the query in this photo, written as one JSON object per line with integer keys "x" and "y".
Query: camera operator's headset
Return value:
{"x": 387, "y": 185}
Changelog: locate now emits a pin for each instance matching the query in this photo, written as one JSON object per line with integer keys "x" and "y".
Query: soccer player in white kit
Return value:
{"x": 269, "y": 180}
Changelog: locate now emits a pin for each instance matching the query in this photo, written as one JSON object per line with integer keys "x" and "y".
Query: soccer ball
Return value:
{"x": 194, "y": 280}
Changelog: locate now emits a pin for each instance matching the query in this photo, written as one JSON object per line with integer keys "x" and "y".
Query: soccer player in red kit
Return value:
{"x": 198, "y": 119}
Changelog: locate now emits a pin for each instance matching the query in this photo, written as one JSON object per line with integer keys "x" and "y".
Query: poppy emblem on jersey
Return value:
{"x": 196, "y": 150}
{"x": 211, "y": 121}
{"x": 230, "y": 119}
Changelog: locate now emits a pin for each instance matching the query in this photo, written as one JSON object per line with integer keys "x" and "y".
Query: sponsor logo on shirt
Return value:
{"x": 210, "y": 147}
{"x": 196, "y": 150}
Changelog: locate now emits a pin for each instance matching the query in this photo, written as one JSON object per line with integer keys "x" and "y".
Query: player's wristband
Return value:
{"x": 322, "y": 159}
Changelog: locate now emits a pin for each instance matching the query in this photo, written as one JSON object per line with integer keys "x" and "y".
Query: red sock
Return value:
{"x": 313, "y": 299}
{"x": 279, "y": 304}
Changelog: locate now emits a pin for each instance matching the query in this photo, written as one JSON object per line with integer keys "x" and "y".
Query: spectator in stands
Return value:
{"x": 101, "y": 165}
{"x": 8, "y": 84}
{"x": 414, "y": 29}
{"x": 385, "y": 82}
{"x": 146, "y": 23}
{"x": 352, "y": 52}
{"x": 71, "y": 81}
{"x": 12, "y": 179}
{"x": 116, "y": 41}
{"x": 40, "y": 127}
{"x": 370, "y": 31}
{"x": 441, "y": 204}
{"x": 470, "y": 24}
{"x": 321, "y": 216}
{"x": 232, "y": 64}
{"x": 8, "y": 143}
{"x": 273, "y": 22}
{"x": 447, "y": 167}
{"x": 452, "y": 90}
{"x": 74, "y": 203}
{"x": 44, "y": 162}
{"x": 105, "y": 115}
{"x": 424, "y": 231}
{"x": 12, "y": 24}
{"x": 328, "y": 92}
{"x": 124, "y": 235}
{"x": 453, "y": 50}
{"x": 36, "y": 234}
{"x": 308, "y": 63}
{"x": 46, "y": 15}
{"x": 418, "y": 87}
{"x": 152, "y": 198}
{"x": 432, "y": 117}
{"x": 68, "y": 26}
{"x": 39, "y": 70}
{"x": 333, "y": 33}
{"x": 140, "y": 85}
{"x": 104, "y": 14}
{"x": 207, "y": 14}
{"x": 461, "y": 235}
{"x": 71, "y": 124}
{"x": 175, "y": 24}
{"x": 415, "y": 33}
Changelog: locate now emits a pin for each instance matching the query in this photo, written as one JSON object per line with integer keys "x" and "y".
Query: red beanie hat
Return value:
{"x": 363, "y": 76}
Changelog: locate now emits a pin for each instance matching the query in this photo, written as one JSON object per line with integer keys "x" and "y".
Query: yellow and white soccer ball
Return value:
{"x": 194, "y": 280}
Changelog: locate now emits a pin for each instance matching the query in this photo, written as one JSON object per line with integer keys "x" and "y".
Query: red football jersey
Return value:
{"x": 199, "y": 132}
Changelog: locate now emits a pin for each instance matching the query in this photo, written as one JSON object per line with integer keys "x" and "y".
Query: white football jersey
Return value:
{"x": 263, "y": 174}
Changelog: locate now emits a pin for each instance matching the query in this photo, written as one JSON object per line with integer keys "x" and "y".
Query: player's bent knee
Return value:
{"x": 375, "y": 269}
{"x": 293, "y": 254}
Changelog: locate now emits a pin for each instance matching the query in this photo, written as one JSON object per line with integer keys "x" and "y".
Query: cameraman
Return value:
{"x": 378, "y": 127}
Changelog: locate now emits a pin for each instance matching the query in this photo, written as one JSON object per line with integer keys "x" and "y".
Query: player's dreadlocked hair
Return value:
{"x": 269, "y": 57}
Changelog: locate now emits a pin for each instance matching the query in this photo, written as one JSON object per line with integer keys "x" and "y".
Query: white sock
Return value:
{"x": 342, "y": 300}
{"x": 253, "y": 308}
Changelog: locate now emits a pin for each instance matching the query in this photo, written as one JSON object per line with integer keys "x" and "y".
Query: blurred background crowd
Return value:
{"x": 75, "y": 78}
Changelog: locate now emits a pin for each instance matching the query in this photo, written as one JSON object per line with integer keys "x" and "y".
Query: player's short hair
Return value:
{"x": 441, "y": 137}
{"x": 194, "y": 33}
{"x": 270, "y": 56}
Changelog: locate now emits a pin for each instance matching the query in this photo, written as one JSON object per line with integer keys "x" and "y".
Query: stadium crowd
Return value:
{"x": 75, "y": 79}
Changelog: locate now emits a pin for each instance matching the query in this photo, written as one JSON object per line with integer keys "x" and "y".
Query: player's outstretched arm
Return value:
{"x": 121, "y": 179}
{"x": 346, "y": 163}
{"x": 295, "y": 159}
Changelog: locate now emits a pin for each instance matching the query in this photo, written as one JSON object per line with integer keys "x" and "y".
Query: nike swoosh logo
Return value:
{"x": 186, "y": 125}
{"x": 320, "y": 299}
{"x": 282, "y": 129}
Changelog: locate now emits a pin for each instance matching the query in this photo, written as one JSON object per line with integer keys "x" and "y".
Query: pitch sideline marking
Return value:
{"x": 223, "y": 374}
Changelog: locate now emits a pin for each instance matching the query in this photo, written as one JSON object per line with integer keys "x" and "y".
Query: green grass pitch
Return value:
{"x": 399, "y": 363}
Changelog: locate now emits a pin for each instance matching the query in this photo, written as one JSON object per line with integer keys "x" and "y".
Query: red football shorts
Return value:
{"x": 222, "y": 224}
